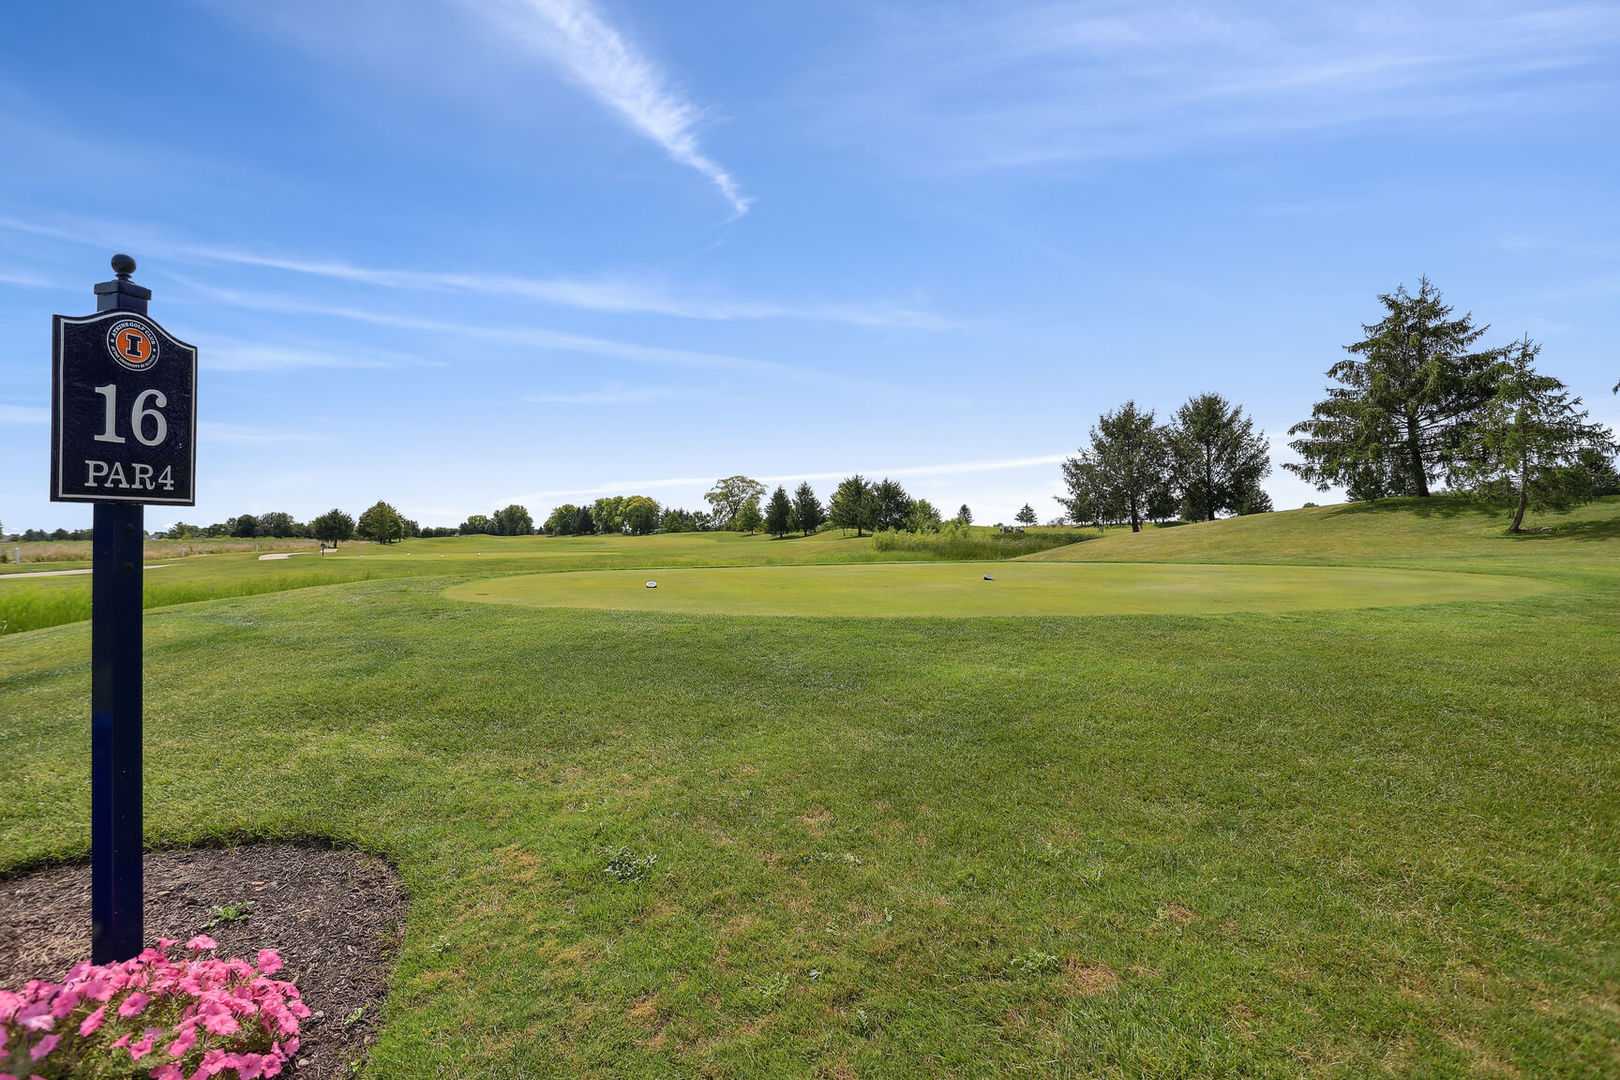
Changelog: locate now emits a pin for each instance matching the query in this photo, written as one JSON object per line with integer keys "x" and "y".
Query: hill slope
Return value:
{"x": 1439, "y": 529}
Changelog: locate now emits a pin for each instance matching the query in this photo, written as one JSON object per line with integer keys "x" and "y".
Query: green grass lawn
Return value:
{"x": 961, "y": 590}
{"x": 1375, "y": 841}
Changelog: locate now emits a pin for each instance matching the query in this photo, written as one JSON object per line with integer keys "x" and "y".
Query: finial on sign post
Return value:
{"x": 122, "y": 294}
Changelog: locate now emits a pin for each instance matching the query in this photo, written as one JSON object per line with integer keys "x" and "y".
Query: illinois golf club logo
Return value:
{"x": 132, "y": 343}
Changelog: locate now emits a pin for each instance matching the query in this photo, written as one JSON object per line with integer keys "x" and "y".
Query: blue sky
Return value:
{"x": 459, "y": 253}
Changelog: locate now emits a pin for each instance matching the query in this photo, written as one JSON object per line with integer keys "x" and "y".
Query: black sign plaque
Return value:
{"x": 123, "y": 411}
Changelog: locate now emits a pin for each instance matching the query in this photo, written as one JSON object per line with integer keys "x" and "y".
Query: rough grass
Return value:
{"x": 1367, "y": 843}
{"x": 35, "y": 603}
{"x": 978, "y": 543}
{"x": 69, "y": 553}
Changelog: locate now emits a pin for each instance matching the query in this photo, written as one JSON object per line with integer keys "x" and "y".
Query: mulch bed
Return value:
{"x": 335, "y": 916}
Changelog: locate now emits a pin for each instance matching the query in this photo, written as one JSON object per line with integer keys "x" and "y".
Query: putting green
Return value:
{"x": 957, "y": 589}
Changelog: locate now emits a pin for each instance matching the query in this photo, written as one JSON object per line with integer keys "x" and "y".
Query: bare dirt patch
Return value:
{"x": 335, "y": 917}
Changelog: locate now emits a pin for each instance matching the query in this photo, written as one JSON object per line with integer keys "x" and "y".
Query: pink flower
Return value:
{"x": 36, "y": 1016}
{"x": 98, "y": 989}
{"x": 92, "y": 1022}
{"x": 9, "y": 1004}
{"x": 212, "y": 1063}
{"x": 138, "y": 1050}
{"x": 133, "y": 1004}
{"x": 168, "y": 1072}
{"x": 44, "y": 1046}
{"x": 202, "y": 943}
{"x": 187, "y": 1039}
{"x": 269, "y": 962}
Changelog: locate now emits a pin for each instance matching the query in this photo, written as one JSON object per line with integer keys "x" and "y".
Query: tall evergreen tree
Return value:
{"x": 807, "y": 509}
{"x": 1217, "y": 458}
{"x": 1025, "y": 516}
{"x": 891, "y": 506}
{"x": 964, "y": 515}
{"x": 779, "y": 513}
{"x": 853, "y": 504}
{"x": 1525, "y": 450}
{"x": 1407, "y": 395}
{"x": 1124, "y": 474}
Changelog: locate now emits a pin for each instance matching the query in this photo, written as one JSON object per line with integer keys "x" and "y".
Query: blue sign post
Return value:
{"x": 123, "y": 433}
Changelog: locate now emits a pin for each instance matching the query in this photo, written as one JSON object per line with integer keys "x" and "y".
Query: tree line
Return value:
{"x": 1417, "y": 403}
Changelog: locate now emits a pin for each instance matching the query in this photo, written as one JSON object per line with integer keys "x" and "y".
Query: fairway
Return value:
{"x": 1361, "y": 823}
{"x": 957, "y": 590}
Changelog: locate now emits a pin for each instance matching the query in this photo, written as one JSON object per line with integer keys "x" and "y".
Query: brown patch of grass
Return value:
{"x": 1177, "y": 914}
{"x": 1089, "y": 980}
{"x": 817, "y": 819}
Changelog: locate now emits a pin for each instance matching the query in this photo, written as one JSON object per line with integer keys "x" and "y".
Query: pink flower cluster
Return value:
{"x": 174, "y": 1019}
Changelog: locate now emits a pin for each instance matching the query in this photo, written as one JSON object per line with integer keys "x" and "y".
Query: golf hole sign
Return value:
{"x": 123, "y": 411}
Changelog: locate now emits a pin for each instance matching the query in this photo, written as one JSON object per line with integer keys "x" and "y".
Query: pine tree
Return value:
{"x": 1408, "y": 393}
{"x": 1525, "y": 450}
{"x": 807, "y": 509}
{"x": 779, "y": 513}
{"x": 853, "y": 504}
{"x": 1026, "y": 516}
{"x": 1217, "y": 458}
{"x": 891, "y": 506}
{"x": 964, "y": 515}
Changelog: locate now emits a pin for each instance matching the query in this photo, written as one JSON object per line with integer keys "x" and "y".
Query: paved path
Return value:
{"x": 70, "y": 573}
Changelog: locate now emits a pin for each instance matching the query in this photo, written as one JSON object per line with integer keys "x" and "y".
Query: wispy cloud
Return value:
{"x": 237, "y": 356}
{"x": 1008, "y": 84}
{"x": 544, "y": 339}
{"x": 617, "y": 393}
{"x": 574, "y": 35}
{"x": 614, "y": 295}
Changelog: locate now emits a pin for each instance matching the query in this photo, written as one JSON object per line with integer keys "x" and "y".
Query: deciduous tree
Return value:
{"x": 640, "y": 515}
{"x": 608, "y": 513}
{"x": 1123, "y": 475}
{"x": 924, "y": 517}
{"x": 1217, "y": 458}
{"x": 333, "y": 527}
{"x": 382, "y": 524}
{"x": 514, "y": 520}
{"x": 728, "y": 497}
{"x": 478, "y": 525}
{"x": 964, "y": 515}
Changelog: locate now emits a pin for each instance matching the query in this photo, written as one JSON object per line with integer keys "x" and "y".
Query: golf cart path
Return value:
{"x": 68, "y": 573}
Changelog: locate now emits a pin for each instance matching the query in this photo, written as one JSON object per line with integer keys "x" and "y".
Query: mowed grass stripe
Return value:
{"x": 959, "y": 590}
